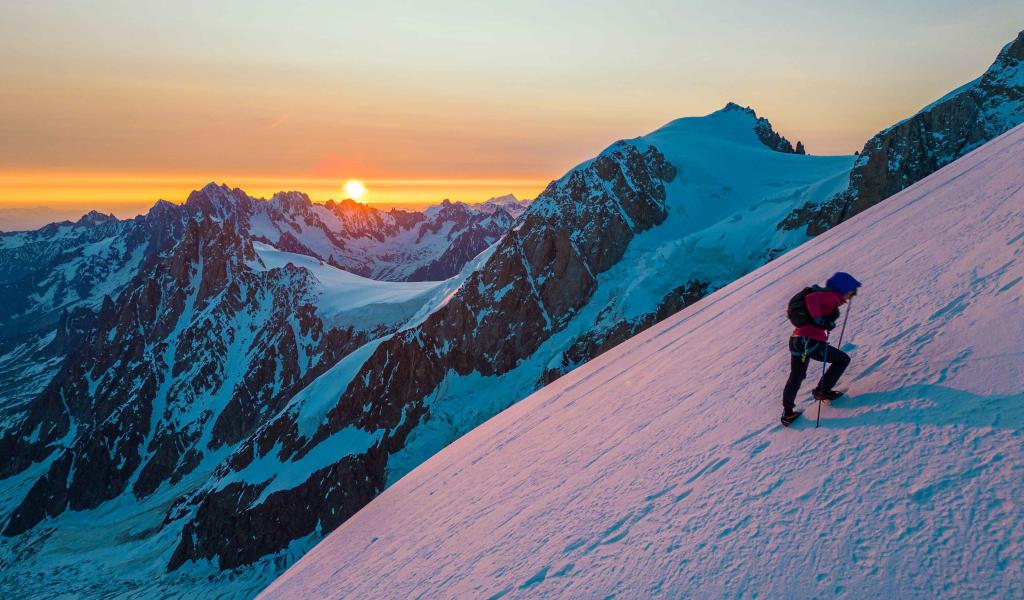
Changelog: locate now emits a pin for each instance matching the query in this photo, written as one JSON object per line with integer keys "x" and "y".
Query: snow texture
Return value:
{"x": 659, "y": 469}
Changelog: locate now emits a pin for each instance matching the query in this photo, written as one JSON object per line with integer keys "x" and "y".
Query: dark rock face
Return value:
{"x": 336, "y": 491}
{"x": 598, "y": 341}
{"x": 911, "y": 150}
{"x": 539, "y": 275}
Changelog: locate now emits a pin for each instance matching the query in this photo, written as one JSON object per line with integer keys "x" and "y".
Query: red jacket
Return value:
{"x": 819, "y": 304}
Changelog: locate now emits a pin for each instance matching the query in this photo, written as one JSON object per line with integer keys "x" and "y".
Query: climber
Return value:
{"x": 814, "y": 311}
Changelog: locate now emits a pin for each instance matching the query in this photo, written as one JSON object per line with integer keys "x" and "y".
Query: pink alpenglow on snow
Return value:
{"x": 659, "y": 468}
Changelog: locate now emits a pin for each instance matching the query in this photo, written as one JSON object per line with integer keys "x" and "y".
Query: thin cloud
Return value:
{"x": 275, "y": 122}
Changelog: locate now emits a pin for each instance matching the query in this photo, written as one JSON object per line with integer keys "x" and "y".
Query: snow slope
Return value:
{"x": 659, "y": 469}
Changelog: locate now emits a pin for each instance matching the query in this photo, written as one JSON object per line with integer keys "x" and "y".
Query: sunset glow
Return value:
{"x": 127, "y": 195}
{"x": 441, "y": 102}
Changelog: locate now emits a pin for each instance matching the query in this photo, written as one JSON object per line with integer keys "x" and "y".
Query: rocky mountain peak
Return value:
{"x": 218, "y": 200}
{"x": 769, "y": 137}
{"x": 447, "y": 210}
{"x": 349, "y": 207}
{"x": 508, "y": 203}
{"x": 506, "y": 199}
{"x": 162, "y": 209}
{"x": 762, "y": 128}
{"x": 94, "y": 217}
{"x": 1012, "y": 52}
{"x": 733, "y": 107}
{"x": 292, "y": 201}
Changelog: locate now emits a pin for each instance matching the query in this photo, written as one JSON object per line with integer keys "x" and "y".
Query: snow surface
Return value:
{"x": 348, "y": 299}
{"x": 659, "y": 468}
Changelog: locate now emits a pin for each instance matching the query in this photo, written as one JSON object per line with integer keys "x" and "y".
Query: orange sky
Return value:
{"x": 109, "y": 105}
{"x": 127, "y": 195}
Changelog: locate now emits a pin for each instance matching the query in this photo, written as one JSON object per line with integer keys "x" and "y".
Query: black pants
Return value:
{"x": 801, "y": 351}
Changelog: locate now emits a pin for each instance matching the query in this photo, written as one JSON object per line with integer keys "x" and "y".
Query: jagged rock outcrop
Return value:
{"x": 54, "y": 281}
{"x": 912, "y": 149}
{"x": 763, "y": 129}
{"x": 598, "y": 341}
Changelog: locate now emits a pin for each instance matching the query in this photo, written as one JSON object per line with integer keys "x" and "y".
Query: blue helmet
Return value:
{"x": 844, "y": 283}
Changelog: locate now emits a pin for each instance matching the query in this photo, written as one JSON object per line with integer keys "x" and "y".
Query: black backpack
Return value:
{"x": 797, "y": 309}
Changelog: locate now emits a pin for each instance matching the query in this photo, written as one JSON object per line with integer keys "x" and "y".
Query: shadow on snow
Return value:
{"x": 926, "y": 404}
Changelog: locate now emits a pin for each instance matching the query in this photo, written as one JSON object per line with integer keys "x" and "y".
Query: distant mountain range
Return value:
{"x": 57, "y": 278}
{"x": 34, "y": 217}
{"x": 220, "y": 384}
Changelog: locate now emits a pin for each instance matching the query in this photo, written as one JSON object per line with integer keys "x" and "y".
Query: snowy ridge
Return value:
{"x": 659, "y": 469}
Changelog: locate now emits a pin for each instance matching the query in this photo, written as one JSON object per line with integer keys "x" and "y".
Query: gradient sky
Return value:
{"x": 108, "y": 103}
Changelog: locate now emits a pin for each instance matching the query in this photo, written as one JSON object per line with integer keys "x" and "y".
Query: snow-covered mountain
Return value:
{"x": 54, "y": 279}
{"x": 938, "y": 134}
{"x": 508, "y": 203}
{"x": 659, "y": 469}
{"x": 136, "y": 354}
{"x": 238, "y": 374}
{"x": 621, "y": 241}
{"x": 232, "y": 377}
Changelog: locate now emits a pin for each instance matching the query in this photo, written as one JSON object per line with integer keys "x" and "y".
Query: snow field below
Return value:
{"x": 659, "y": 469}
{"x": 345, "y": 299}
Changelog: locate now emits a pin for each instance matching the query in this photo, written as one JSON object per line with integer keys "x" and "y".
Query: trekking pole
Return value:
{"x": 824, "y": 363}
{"x": 849, "y": 307}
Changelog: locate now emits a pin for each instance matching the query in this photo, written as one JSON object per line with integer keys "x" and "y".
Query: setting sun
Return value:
{"x": 354, "y": 189}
